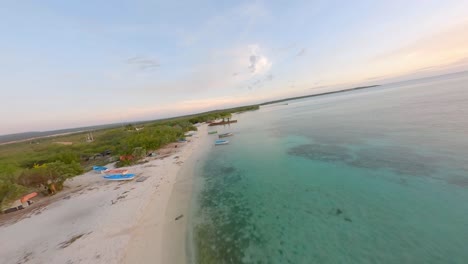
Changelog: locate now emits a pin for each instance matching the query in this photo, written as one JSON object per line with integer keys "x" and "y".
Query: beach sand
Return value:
{"x": 99, "y": 221}
{"x": 161, "y": 236}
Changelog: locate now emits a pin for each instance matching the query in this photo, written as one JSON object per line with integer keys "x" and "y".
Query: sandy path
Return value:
{"x": 94, "y": 220}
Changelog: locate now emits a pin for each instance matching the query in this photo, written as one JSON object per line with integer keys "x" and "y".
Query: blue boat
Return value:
{"x": 119, "y": 177}
{"x": 99, "y": 168}
{"x": 221, "y": 142}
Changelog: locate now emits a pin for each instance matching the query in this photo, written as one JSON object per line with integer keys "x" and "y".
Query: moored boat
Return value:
{"x": 27, "y": 197}
{"x": 221, "y": 142}
{"x": 99, "y": 169}
{"x": 120, "y": 177}
{"x": 212, "y": 132}
{"x": 222, "y": 123}
{"x": 225, "y": 135}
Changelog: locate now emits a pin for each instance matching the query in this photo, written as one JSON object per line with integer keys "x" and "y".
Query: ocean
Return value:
{"x": 370, "y": 176}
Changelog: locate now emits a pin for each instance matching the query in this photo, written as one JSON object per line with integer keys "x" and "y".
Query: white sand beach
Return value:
{"x": 98, "y": 221}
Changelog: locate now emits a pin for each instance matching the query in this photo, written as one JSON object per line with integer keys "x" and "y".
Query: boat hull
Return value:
{"x": 120, "y": 177}
{"x": 99, "y": 169}
{"x": 221, "y": 142}
{"x": 222, "y": 123}
{"x": 225, "y": 135}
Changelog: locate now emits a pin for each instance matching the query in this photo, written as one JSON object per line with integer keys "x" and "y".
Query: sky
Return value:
{"x": 78, "y": 63}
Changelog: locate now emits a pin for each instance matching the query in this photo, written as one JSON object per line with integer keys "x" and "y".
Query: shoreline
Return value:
{"x": 97, "y": 221}
{"x": 160, "y": 238}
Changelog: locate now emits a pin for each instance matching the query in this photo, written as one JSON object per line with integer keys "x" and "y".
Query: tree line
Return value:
{"x": 44, "y": 166}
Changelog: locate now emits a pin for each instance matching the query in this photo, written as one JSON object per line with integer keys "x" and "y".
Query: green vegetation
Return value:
{"x": 225, "y": 114}
{"x": 44, "y": 164}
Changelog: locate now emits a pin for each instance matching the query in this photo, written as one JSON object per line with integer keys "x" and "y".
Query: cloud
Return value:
{"x": 253, "y": 62}
{"x": 143, "y": 63}
{"x": 222, "y": 71}
{"x": 215, "y": 74}
{"x": 258, "y": 62}
{"x": 301, "y": 53}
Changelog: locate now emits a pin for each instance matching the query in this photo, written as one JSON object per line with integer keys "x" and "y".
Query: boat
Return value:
{"x": 27, "y": 197}
{"x": 225, "y": 135}
{"x": 212, "y": 132}
{"x": 222, "y": 123}
{"x": 120, "y": 177}
{"x": 17, "y": 205}
{"x": 99, "y": 169}
{"x": 221, "y": 142}
{"x": 115, "y": 171}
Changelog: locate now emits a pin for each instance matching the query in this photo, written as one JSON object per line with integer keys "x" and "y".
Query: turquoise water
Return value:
{"x": 371, "y": 176}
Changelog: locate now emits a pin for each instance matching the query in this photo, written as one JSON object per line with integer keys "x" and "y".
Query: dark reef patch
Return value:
{"x": 458, "y": 180}
{"x": 321, "y": 152}
{"x": 397, "y": 159}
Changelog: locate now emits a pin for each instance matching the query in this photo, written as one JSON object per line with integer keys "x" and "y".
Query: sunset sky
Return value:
{"x": 77, "y": 63}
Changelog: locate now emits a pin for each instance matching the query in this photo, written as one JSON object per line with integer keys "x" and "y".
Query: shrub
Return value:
{"x": 9, "y": 189}
{"x": 9, "y": 192}
{"x": 50, "y": 173}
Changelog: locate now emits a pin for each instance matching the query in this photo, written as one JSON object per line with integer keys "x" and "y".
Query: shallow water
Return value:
{"x": 370, "y": 176}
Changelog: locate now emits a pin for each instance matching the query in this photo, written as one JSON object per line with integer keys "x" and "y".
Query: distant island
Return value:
{"x": 319, "y": 94}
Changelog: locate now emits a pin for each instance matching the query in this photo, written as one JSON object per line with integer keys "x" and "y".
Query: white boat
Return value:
{"x": 225, "y": 135}
{"x": 114, "y": 171}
